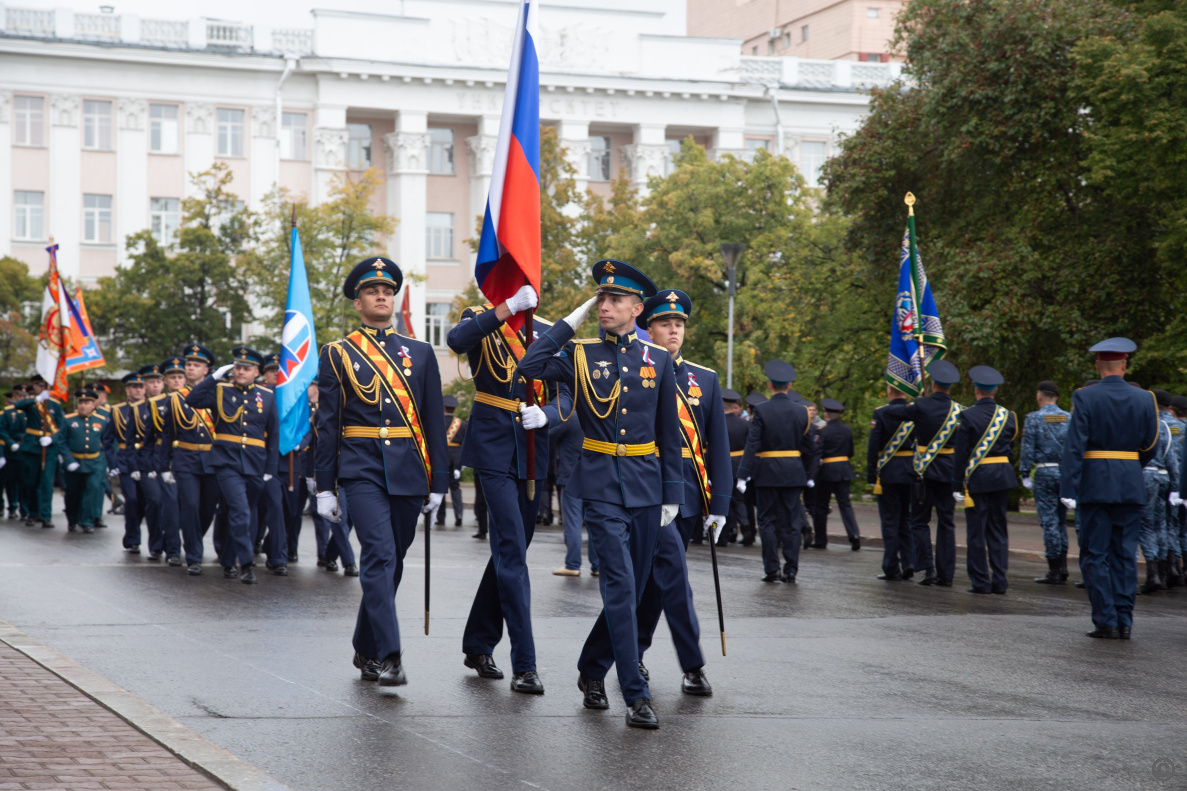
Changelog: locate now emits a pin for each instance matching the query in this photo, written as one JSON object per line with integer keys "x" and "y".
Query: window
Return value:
{"x": 29, "y": 215}
{"x": 812, "y": 156}
{"x": 441, "y": 151}
{"x": 786, "y": 40}
{"x": 599, "y": 158}
{"x": 96, "y": 125}
{"x": 754, "y": 50}
{"x": 437, "y": 323}
{"x": 165, "y": 218}
{"x": 162, "y": 132}
{"x": 804, "y": 33}
{"x": 230, "y": 132}
{"x": 30, "y": 120}
{"x": 873, "y": 13}
{"x": 873, "y": 57}
{"x": 673, "y": 152}
{"x": 754, "y": 145}
{"x": 438, "y": 235}
{"x": 96, "y": 218}
{"x": 292, "y": 136}
{"x": 358, "y": 148}
{"x": 771, "y": 47}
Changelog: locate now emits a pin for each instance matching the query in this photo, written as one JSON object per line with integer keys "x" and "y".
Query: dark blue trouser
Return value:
{"x": 150, "y": 506}
{"x": 386, "y": 526}
{"x": 132, "y": 505}
{"x": 985, "y": 527}
{"x": 270, "y": 516}
{"x": 197, "y": 497}
{"x": 625, "y": 539}
{"x": 1108, "y": 559}
{"x": 668, "y": 590}
{"x": 240, "y": 494}
{"x": 894, "y": 511}
{"x": 780, "y": 520}
{"x": 571, "y": 510}
{"x": 824, "y": 491}
{"x": 338, "y": 534}
{"x": 937, "y": 496}
{"x": 169, "y": 518}
{"x": 505, "y": 592}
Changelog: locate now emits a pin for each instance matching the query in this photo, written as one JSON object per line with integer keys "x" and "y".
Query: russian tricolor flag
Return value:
{"x": 509, "y": 249}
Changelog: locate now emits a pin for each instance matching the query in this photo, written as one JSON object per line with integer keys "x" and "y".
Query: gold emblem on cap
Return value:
{"x": 609, "y": 267}
{"x": 672, "y": 297}
{"x": 610, "y": 279}
{"x": 378, "y": 264}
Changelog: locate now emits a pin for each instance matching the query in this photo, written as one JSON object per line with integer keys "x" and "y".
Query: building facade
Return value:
{"x": 102, "y": 117}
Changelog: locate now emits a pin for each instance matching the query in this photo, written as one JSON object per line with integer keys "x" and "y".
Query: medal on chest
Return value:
{"x": 647, "y": 370}
{"x": 694, "y": 389}
{"x": 601, "y": 371}
{"x": 405, "y": 357}
{"x": 259, "y": 403}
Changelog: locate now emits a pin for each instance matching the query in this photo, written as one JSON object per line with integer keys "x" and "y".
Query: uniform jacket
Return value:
{"x": 186, "y": 439}
{"x": 642, "y": 414}
{"x": 708, "y": 413}
{"x": 737, "y": 429}
{"x": 1166, "y": 455}
{"x": 355, "y": 394}
{"x": 33, "y": 422}
{"x": 928, "y": 414}
{"x": 455, "y": 442}
{"x": 151, "y": 414}
{"x": 12, "y": 429}
{"x": 883, "y": 425}
{"x": 565, "y": 439}
{"x": 82, "y": 440}
{"x": 836, "y": 440}
{"x": 779, "y": 424}
{"x": 495, "y": 438}
{"x": 987, "y": 477}
{"x": 246, "y": 426}
{"x": 1112, "y": 415}
{"x": 1043, "y": 434}
{"x": 120, "y": 436}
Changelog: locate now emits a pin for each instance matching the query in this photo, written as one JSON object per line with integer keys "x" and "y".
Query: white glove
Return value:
{"x": 1068, "y": 502}
{"x": 1175, "y": 500}
{"x": 43, "y": 396}
{"x": 533, "y": 417}
{"x": 667, "y": 513}
{"x": 434, "y": 503}
{"x": 3, "y": 461}
{"x": 1028, "y": 483}
{"x": 524, "y": 299}
{"x": 959, "y": 498}
{"x": 135, "y": 475}
{"x": 14, "y": 447}
{"x": 267, "y": 477}
{"x": 457, "y": 475}
{"x": 327, "y": 507}
{"x": 741, "y": 486}
{"x": 153, "y": 475}
{"x": 575, "y": 318}
{"x": 311, "y": 485}
{"x": 168, "y": 478}
{"x": 45, "y": 442}
{"x": 72, "y": 466}
{"x": 811, "y": 484}
{"x": 114, "y": 472}
{"x": 221, "y": 372}
{"x": 714, "y": 524}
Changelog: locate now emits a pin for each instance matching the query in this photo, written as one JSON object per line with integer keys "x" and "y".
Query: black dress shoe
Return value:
{"x": 71, "y": 528}
{"x": 174, "y": 560}
{"x": 154, "y": 554}
{"x": 774, "y": 576}
{"x": 350, "y": 570}
{"x": 280, "y": 571}
{"x": 1080, "y": 585}
{"x": 788, "y": 578}
{"x": 368, "y": 668}
{"x": 528, "y": 683}
{"x": 331, "y": 565}
{"x": 100, "y": 524}
{"x": 890, "y": 577}
{"x": 484, "y": 664}
{"x": 908, "y": 572}
{"x": 978, "y": 590}
{"x": 1105, "y": 632}
{"x": 855, "y": 543}
{"x": 321, "y": 561}
{"x": 695, "y": 683}
{"x": 999, "y": 591}
{"x": 292, "y": 557}
{"x": 391, "y": 672}
{"x": 133, "y": 550}
{"x": 640, "y": 715}
{"x": 1124, "y": 631}
{"x": 457, "y": 521}
{"x": 248, "y": 577}
{"x": 30, "y": 521}
{"x": 194, "y": 570}
{"x": 820, "y": 546}
{"x": 929, "y": 579}
{"x": 230, "y": 573}
{"x": 46, "y": 525}
{"x": 594, "y": 692}
{"x": 943, "y": 583}
{"x": 480, "y": 536}
{"x": 88, "y": 529}
{"x": 643, "y": 671}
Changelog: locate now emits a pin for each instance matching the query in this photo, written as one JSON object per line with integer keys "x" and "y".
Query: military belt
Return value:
{"x": 611, "y": 449}
{"x": 37, "y": 433}
{"x": 122, "y": 446}
{"x": 453, "y": 444}
{"x": 940, "y": 452}
{"x": 834, "y": 459}
{"x": 238, "y": 440}
{"x": 191, "y": 446}
{"x": 1046, "y": 464}
{"x": 737, "y": 453}
{"x": 372, "y": 432}
{"x": 996, "y": 460}
{"x": 777, "y": 454}
{"x": 500, "y": 403}
{"x": 86, "y": 456}
{"x": 1122, "y": 455}
{"x": 910, "y": 454}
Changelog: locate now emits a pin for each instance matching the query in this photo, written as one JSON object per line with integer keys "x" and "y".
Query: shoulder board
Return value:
{"x": 542, "y": 320}
{"x": 225, "y": 384}
{"x": 586, "y": 340}
{"x": 265, "y": 388}
{"x": 702, "y": 367}
{"x": 880, "y": 408}
{"x": 8, "y": 407}
{"x": 1054, "y": 418}
{"x": 476, "y": 309}
{"x": 158, "y": 397}
{"x": 72, "y": 414}
{"x": 653, "y": 345}
{"x": 120, "y": 404}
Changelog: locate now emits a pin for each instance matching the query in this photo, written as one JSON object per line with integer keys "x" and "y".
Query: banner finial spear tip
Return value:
{"x": 910, "y": 201}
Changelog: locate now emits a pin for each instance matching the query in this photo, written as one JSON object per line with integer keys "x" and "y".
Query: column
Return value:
{"x": 64, "y": 202}
{"x": 329, "y": 150}
{"x": 264, "y": 159}
{"x": 481, "y": 148}
{"x": 6, "y": 173}
{"x": 647, "y": 156}
{"x": 729, "y": 140}
{"x": 574, "y": 137}
{"x": 131, "y": 188}
{"x": 199, "y": 142}
{"x": 407, "y": 183}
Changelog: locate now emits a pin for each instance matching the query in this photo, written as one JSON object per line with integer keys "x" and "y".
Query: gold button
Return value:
{"x": 622, "y": 350}
{"x": 622, "y": 431}
{"x": 625, "y": 388}
{"x": 383, "y": 343}
{"x": 387, "y": 400}
{"x": 383, "y": 433}
{"x": 516, "y": 419}
{"x": 624, "y": 369}
{"x": 624, "y": 411}
{"x": 175, "y": 443}
{"x": 387, "y": 422}
{"x": 387, "y": 442}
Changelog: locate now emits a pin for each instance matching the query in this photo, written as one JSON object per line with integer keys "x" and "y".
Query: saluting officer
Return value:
{"x": 781, "y": 458}
{"x": 119, "y": 444}
{"x": 983, "y": 469}
{"x": 43, "y": 418}
{"x": 81, "y": 437}
{"x": 380, "y": 437}
{"x": 625, "y": 397}
{"x": 835, "y": 475}
{"x": 737, "y": 429}
{"x": 455, "y": 435}
{"x": 889, "y": 451}
{"x": 1043, "y": 434}
{"x": 184, "y": 457}
{"x": 244, "y": 453}
{"x": 708, "y": 479}
{"x": 496, "y": 449}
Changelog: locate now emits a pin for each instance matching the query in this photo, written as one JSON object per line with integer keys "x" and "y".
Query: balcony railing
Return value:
{"x": 29, "y": 22}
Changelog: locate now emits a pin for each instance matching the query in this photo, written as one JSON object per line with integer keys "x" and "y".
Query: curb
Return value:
{"x": 203, "y": 755}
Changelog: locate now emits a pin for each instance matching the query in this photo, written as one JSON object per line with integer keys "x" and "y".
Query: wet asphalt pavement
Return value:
{"x": 838, "y": 682}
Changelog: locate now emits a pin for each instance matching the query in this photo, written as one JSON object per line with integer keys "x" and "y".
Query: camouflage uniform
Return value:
{"x": 1042, "y": 447}
{"x": 1155, "y": 539}
{"x": 1175, "y": 526}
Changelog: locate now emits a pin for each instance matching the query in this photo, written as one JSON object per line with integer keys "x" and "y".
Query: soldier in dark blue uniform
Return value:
{"x": 708, "y": 482}
{"x": 173, "y": 370}
{"x": 1043, "y": 433}
{"x": 779, "y": 461}
{"x": 737, "y": 429}
{"x": 119, "y": 444}
{"x": 982, "y": 475}
{"x": 496, "y": 449}
{"x": 630, "y": 474}
{"x": 835, "y": 475}
{"x": 271, "y": 534}
{"x": 1161, "y": 475}
{"x": 889, "y": 451}
{"x": 1112, "y": 435}
{"x": 380, "y": 437}
{"x": 936, "y": 418}
{"x": 244, "y": 453}
{"x": 184, "y": 456}
{"x": 455, "y": 436}
{"x": 150, "y": 423}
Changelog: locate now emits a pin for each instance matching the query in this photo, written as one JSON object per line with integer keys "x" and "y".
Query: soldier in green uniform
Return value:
{"x": 43, "y": 418}
{"x": 81, "y": 437}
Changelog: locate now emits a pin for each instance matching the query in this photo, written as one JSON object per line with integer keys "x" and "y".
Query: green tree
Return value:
{"x": 17, "y": 343}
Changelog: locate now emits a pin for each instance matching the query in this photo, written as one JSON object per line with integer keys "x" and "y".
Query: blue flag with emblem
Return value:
{"x": 916, "y": 335}
{"x": 298, "y": 354}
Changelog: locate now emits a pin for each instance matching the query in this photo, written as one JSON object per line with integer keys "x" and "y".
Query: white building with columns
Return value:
{"x": 102, "y": 116}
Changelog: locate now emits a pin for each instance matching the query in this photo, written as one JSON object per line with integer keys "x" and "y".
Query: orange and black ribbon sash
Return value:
{"x": 515, "y": 345}
{"x": 451, "y": 432}
{"x": 397, "y": 385}
{"x": 692, "y": 441}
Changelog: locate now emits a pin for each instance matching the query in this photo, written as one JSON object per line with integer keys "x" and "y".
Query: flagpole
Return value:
{"x": 910, "y": 200}
{"x": 528, "y": 333}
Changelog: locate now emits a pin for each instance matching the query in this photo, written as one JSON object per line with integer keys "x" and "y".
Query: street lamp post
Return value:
{"x": 732, "y": 253}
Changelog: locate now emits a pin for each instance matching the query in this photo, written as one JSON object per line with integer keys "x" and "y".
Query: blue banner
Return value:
{"x": 298, "y": 355}
{"x": 916, "y": 334}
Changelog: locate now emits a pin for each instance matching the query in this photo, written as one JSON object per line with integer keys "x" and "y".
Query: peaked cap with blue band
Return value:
{"x": 666, "y": 304}
{"x": 1114, "y": 348}
{"x": 272, "y": 361}
{"x": 779, "y": 372}
{"x": 199, "y": 353}
{"x": 173, "y": 365}
{"x": 133, "y": 378}
{"x": 985, "y": 378}
{"x": 619, "y": 277}
{"x": 242, "y": 355}
{"x": 943, "y": 373}
{"x": 372, "y": 270}
{"x": 152, "y": 370}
